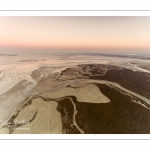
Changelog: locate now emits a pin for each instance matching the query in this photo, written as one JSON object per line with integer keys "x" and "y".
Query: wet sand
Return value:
{"x": 86, "y": 99}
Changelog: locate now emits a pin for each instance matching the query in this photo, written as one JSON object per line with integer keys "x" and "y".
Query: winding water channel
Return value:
{"x": 100, "y": 82}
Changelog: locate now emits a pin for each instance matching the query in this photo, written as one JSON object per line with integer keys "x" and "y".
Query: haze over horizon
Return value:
{"x": 74, "y": 34}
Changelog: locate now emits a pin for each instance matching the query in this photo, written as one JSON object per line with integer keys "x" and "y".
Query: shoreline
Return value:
{"x": 67, "y": 81}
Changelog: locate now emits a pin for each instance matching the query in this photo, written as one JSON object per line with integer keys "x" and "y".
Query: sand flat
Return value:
{"x": 89, "y": 93}
{"x": 4, "y": 131}
{"x": 10, "y": 81}
{"x": 8, "y": 106}
{"x": 47, "y": 120}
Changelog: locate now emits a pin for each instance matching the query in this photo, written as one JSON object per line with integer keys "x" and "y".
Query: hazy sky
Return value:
{"x": 74, "y": 34}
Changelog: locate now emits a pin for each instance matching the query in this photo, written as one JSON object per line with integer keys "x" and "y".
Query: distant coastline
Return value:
{"x": 8, "y": 55}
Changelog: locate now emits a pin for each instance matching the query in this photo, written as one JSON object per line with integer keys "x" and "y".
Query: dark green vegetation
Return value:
{"x": 120, "y": 116}
{"x": 66, "y": 109}
{"x": 138, "y": 82}
{"x": 135, "y": 81}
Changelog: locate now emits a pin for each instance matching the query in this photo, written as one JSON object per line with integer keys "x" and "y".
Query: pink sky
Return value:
{"x": 75, "y": 33}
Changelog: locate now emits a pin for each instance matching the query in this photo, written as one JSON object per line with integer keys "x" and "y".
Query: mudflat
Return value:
{"x": 89, "y": 99}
